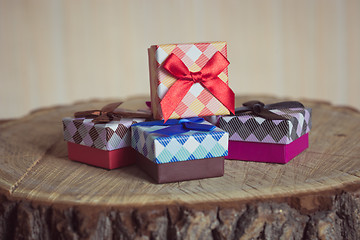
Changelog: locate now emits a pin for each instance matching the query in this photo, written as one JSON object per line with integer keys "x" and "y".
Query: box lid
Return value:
{"x": 250, "y": 128}
{"x": 181, "y": 147}
{"x": 106, "y": 136}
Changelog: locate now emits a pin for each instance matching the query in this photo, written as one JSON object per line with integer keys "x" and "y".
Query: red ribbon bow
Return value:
{"x": 207, "y": 77}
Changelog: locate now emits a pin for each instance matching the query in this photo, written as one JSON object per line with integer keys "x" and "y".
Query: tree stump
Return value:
{"x": 44, "y": 195}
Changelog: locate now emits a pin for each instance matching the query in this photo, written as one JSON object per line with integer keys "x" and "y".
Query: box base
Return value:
{"x": 267, "y": 152}
{"x": 181, "y": 171}
{"x": 101, "y": 158}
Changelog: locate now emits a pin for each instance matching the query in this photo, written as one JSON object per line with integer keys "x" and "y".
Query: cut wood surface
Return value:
{"x": 301, "y": 198}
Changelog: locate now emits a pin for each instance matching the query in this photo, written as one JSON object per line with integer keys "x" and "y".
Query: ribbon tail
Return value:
{"x": 88, "y": 114}
{"x": 111, "y": 107}
{"x": 242, "y": 110}
{"x": 286, "y": 104}
{"x": 214, "y": 84}
{"x": 174, "y": 96}
{"x": 222, "y": 92}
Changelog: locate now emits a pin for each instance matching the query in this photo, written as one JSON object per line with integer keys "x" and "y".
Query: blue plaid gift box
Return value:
{"x": 155, "y": 143}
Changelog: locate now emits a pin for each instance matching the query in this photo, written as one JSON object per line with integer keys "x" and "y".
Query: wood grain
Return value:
{"x": 38, "y": 179}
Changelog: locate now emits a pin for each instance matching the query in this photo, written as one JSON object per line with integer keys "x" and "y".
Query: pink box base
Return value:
{"x": 267, "y": 152}
{"x": 101, "y": 158}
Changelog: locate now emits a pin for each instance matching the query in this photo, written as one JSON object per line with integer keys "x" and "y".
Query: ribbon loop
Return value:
{"x": 252, "y": 103}
{"x": 109, "y": 113}
{"x": 207, "y": 77}
{"x": 178, "y": 126}
{"x": 261, "y": 110}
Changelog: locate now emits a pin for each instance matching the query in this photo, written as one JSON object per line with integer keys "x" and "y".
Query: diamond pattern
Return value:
{"x": 191, "y": 144}
{"x": 121, "y": 130}
{"x": 202, "y": 60}
{"x": 109, "y": 136}
{"x": 196, "y": 90}
{"x": 205, "y": 112}
{"x": 161, "y": 55}
{"x": 179, "y": 53}
{"x": 188, "y": 61}
{"x": 194, "y": 53}
{"x": 247, "y": 127}
{"x": 182, "y": 147}
{"x": 194, "y": 56}
{"x": 202, "y": 46}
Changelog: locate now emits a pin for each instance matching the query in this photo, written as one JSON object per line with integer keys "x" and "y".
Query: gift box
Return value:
{"x": 273, "y": 133}
{"x": 189, "y": 80}
{"x": 102, "y": 137}
{"x": 180, "y": 150}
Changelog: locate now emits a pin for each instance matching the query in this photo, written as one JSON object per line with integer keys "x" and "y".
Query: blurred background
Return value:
{"x": 58, "y": 52}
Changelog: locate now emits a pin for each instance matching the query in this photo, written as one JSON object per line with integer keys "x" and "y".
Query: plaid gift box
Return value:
{"x": 173, "y": 152}
{"x": 253, "y": 137}
{"x": 106, "y": 143}
{"x": 189, "y": 80}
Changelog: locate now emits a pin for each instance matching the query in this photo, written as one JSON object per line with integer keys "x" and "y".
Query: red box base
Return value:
{"x": 101, "y": 158}
{"x": 267, "y": 152}
{"x": 181, "y": 171}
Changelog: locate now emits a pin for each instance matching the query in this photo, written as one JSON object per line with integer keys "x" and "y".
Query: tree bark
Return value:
{"x": 281, "y": 218}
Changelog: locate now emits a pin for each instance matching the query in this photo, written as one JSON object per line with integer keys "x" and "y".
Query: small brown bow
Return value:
{"x": 260, "y": 109}
{"x": 111, "y": 112}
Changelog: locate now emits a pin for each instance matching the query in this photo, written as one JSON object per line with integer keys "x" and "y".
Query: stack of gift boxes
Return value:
{"x": 191, "y": 124}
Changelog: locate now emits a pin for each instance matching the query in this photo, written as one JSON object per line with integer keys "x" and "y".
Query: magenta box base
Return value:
{"x": 267, "y": 152}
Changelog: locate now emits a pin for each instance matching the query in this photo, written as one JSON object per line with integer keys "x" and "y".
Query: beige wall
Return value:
{"x": 57, "y": 52}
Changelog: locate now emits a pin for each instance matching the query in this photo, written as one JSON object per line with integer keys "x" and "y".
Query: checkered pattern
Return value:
{"x": 109, "y": 136}
{"x": 198, "y": 101}
{"x": 182, "y": 147}
{"x": 249, "y": 128}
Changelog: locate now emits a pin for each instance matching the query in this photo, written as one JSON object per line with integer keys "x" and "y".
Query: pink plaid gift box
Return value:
{"x": 189, "y": 80}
